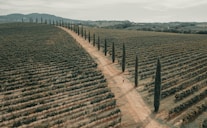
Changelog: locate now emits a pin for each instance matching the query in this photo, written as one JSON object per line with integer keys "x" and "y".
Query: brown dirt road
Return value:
{"x": 135, "y": 113}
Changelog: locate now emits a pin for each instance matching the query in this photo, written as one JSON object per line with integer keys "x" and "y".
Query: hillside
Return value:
{"x": 172, "y": 27}
{"x": 37, "y": 16}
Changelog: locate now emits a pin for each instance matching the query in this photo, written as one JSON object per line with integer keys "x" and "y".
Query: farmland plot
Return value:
{"x": 47, "y": 80}
{"x": 184, "y": 69}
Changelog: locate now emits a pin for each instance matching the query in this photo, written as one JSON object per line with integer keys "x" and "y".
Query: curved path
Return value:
{"x": 135, "y": 113}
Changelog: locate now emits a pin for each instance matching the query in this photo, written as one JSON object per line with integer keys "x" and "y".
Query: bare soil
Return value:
{"x": 135, "y": 113}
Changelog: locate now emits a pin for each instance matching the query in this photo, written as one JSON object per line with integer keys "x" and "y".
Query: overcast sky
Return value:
{"x": 133, "y": 10}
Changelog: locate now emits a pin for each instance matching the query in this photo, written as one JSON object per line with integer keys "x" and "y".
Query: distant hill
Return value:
{"x": 38, "y": 16}
{"x": 173, "y": 27}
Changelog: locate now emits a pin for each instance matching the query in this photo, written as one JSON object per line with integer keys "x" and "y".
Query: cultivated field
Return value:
{"x": 47, "y": 80}
{"x": 184, "y": 70}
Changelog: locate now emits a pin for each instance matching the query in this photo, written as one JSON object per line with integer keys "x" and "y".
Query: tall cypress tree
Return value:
{"x": 94, "y": 39}
{"x": 78, "y": 30}
{"x": 98, "y": 43}
{"x": 85, "y": 34}
{"x": 113, "y": 52}
{"x": 157, "y": 89}
{"x": 136, "y": 72}
{"x": 89, "y": 37}
{"x": 69, "y": 25}
{"x": 82, "y": 30}
{"x": 75, "y": 28}
{"x": 105, "y": 47}
{"x": 123, "y": 58}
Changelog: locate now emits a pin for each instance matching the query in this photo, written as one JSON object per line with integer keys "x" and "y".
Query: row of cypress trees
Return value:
{"x": 157, "y": 87}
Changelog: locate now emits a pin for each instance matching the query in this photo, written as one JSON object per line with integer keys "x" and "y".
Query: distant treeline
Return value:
{"x": 172, "y": 27}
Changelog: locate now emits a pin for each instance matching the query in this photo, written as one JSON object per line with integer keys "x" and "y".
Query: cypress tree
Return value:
{"x": 105, "y": 47}
{"x": 69, "y": 25}
{"x": 113, "y": 53}
{"x": 98, "y": 43}
{"x": 157, "y": 89}
{"x": 85, "y": 34}
{"x": 89, "y": 37}
{"x": 136, "y": 72}
{"x": 78, "y": 30}
{"x": 94, "y": 39}
{"x": 82, "y": 30}
{"x": 123, "y": 58}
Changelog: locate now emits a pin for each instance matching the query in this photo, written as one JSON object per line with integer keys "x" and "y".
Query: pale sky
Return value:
{"x": 133, "y": 10}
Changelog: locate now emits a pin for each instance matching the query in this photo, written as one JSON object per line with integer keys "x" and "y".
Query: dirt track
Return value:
{"x": 135, "y": 113}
